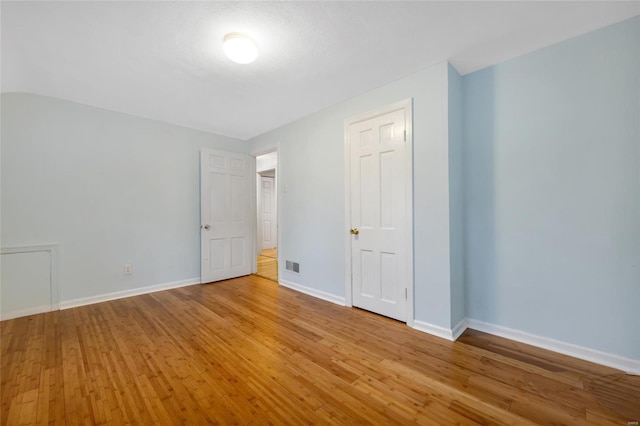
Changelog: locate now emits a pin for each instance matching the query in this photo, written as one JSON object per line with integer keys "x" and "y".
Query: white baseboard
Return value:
{"x": 126, "y": 293}
{"x": 628, "y": 365}
{"x": 26, "y": 312}
{"x": 313, "y": 292}
{"x": 460, "y": 328}
{"x": 434, "y": 330}
{"x": 450, "y": 334}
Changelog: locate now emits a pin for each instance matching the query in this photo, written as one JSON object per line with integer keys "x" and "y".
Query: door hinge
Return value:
{"x": 405, "y": 135}
{"x": 405, "y": 294}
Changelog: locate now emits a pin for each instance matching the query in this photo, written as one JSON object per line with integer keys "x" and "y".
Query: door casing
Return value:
{"x": 275, "y": 147}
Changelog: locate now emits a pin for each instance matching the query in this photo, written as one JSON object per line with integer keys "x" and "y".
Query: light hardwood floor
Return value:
{"x": 268, "y": 264}
{"x": 247, "y": 351}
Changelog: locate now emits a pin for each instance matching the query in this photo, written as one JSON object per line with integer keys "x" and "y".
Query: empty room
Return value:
{"x": 284, "y": 212}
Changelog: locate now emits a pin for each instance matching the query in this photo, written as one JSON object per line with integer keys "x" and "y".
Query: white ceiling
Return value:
{"x": 164, "y": 60}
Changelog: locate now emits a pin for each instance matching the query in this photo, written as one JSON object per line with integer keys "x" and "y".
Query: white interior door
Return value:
{"x": 380, "y": 176}
{"x": 268, "y": 217}
{"x": 226, "y": 227}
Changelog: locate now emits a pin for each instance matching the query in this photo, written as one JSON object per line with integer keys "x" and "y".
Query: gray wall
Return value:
{"x": 109, "y": 187}
{"x": 311, "y": 187}
{"x": 552, "y": 162}
{"x": 526, "y": 174}
{"x": 456, "y": 197}
{"x": 546, "y": 183}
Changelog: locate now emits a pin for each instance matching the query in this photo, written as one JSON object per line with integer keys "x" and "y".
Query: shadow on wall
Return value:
{"x": 479, "y": 183}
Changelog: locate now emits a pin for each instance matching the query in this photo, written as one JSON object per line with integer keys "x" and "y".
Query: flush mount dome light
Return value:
{"x": 240, "y": 48}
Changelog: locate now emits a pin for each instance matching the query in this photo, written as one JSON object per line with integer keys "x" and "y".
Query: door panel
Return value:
{"x": 378, "y": 203}
{"x": 268, "y": 219}
{"x": 225, "y": 192}
{"x": 217, "y": 254}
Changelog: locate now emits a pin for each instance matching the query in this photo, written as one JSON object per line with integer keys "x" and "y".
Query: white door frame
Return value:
{"x": 267, "y": 150}
{"x": 407, "y": 105}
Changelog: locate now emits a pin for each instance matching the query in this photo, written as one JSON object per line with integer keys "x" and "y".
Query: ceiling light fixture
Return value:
{"x": 240, "y": 48}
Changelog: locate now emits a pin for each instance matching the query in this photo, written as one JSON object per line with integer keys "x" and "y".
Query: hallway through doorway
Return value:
{"x": 268, "y": 264}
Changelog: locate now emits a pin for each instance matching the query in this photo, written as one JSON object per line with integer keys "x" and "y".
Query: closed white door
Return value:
{"x": 378, "y": 202}
{"x": 268, "y": 217}
{"x": 225, "y": 214}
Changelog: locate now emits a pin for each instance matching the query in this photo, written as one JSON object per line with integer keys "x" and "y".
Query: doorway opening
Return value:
{"x": 267, "y": 210}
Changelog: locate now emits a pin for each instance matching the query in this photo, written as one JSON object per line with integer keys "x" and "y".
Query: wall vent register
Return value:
{"x": 292, "y": 266}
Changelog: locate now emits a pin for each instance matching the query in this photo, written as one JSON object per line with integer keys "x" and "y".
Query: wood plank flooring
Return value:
{"x": 246, "y": 351}
{"x": 268, "y": 264}
{"x": 272, "y": 253}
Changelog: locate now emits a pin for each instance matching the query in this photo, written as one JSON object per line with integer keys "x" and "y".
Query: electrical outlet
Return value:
{"x": 128, "y": 270}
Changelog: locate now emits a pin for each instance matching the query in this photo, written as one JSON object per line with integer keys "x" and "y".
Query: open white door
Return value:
{"x": 379, "y": 211}
{"x": 226, "y": 215}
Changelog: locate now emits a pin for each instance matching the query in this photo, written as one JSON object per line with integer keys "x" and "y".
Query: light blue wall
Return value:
{"x": 311, "y": 187}
{"x": 545, "y": 187}
{"x": 552, "y": 191}
{"x": 109, "y": 187}
{"x": 456, "y": 196}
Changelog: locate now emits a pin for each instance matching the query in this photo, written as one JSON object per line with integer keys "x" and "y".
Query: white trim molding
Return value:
{"x": 450, "y": 334}
{"x": 460, "y": 328}
{"x": 26, "y": 312}
{"x": 54, "y": 282}
{"x": 434, "y": 330}
{"x": 266, "y": 149}
{"x": 127, "y": 293}
{"x": 313, "y": 292}
{"x": 628, "y": 365}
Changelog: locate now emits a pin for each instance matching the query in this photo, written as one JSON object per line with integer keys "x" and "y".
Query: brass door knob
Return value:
{"x": 354, "y": 231}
